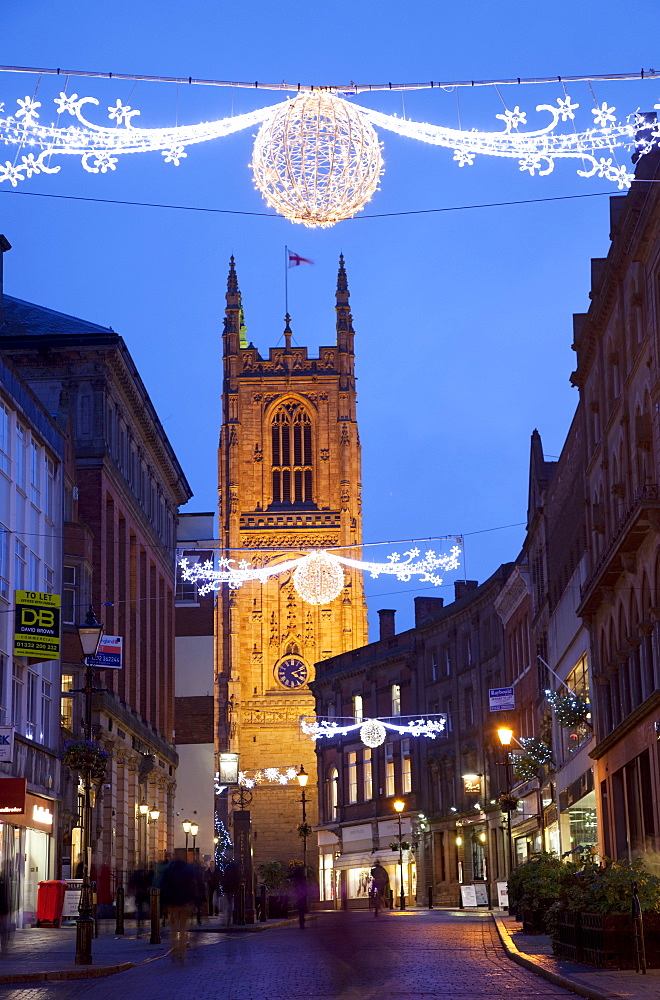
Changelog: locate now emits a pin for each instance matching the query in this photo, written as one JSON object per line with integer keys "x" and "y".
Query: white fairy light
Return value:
{"x": 267, "y": 775}
{"x": 318, "y": 576}
{"x": 373, "y": 731}
{"x": 317, "y": 159}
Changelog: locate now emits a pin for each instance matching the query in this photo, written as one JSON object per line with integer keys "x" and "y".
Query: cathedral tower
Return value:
{"x": 289, "y": 481}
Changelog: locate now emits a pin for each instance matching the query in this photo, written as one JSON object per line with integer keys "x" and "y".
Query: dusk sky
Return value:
{"x": 463, "y": 318}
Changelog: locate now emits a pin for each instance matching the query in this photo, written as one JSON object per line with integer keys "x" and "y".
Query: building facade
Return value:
{"x": 289, "y": 479}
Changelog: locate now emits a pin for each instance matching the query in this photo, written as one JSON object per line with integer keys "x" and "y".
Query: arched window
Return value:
{"x": 332, "y": 793}
{"x": 291, "y": 438}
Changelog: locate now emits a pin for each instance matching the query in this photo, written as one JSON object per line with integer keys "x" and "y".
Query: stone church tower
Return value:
{"x": 289, "y": 482}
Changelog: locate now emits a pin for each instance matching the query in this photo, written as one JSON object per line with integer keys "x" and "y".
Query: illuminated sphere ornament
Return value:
{"x": 317, "y": 160}
{"x": 318, "y": 578}
{"x": 372, "y": 733}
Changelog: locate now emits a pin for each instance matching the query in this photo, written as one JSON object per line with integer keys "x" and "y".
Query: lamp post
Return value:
{"x": 186, "y": 829}
{"x": 505, "y": 736}
{"x": 303, "y": 778}
{"x": 89, "y": 633}
{"x": 400, "y": 806}
{"x": 194, "y": 830}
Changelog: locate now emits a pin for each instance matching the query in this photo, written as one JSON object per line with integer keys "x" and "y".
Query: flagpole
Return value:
{"x": 286, "y": 280}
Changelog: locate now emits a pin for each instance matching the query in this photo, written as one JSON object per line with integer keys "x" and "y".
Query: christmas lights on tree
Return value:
{"x": 317, "y": 158}
{"x": 318, "y": 576}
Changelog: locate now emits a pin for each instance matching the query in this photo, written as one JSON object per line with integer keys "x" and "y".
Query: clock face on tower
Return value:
{"x": 291, "y": 673}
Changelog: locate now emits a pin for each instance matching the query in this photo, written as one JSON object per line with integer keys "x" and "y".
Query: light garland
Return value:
{"x": 571, "y": 709}
{"x": 317, "y": 158}
{"x": 318, "y": 576}
{"x": 267, "y": 775}
{"x": 373, "y": 732}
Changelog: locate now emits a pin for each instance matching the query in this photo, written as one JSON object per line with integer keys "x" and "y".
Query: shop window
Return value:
{"x": 406, "y": 768}
{"x": 389, "y": 769}
{"x": 367, "y": 776}
{"x": 352, "y": 777}
{"x": 396, "y": 699}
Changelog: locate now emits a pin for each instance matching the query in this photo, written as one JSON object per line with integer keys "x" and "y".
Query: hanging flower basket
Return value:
{"x": 304, "y": 830}
{"x": 507, "y": 802}
{"x": 394, "y": 846}
{"x": 525, "y": 768}
{"x": 570, "y": 709}
{"x": 85, "y": 756}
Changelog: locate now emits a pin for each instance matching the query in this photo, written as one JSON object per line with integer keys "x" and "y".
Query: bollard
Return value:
{"x": 430, "y": 890}
{"x": 241, "y": 905}
{"x": 119, "y": 910}
{"x": 638, "y": 927}
{"x": 391, "y": 899}
{"x": 263, "y": 903}
{"x": 95, "y": 916}
{"x": 155, "y": 917}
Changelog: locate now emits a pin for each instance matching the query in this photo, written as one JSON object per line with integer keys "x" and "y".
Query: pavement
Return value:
{"x": 534, "y": 952}
{"x": 414, "y": 954}
{"x": 38, "y": 954}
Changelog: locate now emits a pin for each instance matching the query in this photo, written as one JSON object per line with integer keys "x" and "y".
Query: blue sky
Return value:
{"x": 463, "y": 319}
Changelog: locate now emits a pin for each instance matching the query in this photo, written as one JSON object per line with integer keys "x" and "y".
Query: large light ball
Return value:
{"x": 318, "y": 578}
{"x": 317, "y": 160}
{"x": 372, "y": 733}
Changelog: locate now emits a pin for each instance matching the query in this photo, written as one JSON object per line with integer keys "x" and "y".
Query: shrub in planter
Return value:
{"x": 535, "y": 884}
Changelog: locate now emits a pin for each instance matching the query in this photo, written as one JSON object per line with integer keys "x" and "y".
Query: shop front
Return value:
{"x": 26, "y": 846}
{"x": 345, "y": 865}
{"x": 577, "y": 817}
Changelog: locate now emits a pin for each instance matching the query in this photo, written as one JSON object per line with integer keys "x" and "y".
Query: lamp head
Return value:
{"x": 89, "y": 633}
{"x": 505, "y": 735}
{"x": 143, "y": 808}
{"x": 399, "y": 806}
{"x": 194, "y": 829}
{"x": 186, "y": 825}
{"x": 302, "y": 776}
{"x": 154, "y": 813}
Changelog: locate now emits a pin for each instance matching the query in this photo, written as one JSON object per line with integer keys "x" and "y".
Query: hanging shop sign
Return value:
{"x": 501, "y": 699}
{"x": 13, "y": 796}
{"x": 472, "y": 784}
{"x": 36, "y": 625}
{"x": 6, "y": 744}
{"x": 109, "y": 654}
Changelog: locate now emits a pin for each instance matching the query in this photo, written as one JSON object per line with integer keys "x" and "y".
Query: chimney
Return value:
{"x": 464, "y": 587}
{"x": 386, "y": 624}
{"x": 4, "y": 246}
{"x": 426, "y": 607}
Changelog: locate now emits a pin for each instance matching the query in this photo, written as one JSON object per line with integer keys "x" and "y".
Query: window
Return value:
{"x": 17, "y": 696}
{"x": 352, "y": 776}
{"x": 186, "y": 591}
{"x": 448, "y": 712}
{"x": 291, "y": 441}
{"x": 389, "y": 769}
{"x": 46, "y": 700}
{"x": 3, "y": 678}
{"x": 34, "y": 576}
{"x": 447, "y": 660}
{"x": 433, "y": 665}
{"x": 66, "y": 702}
{"x": 5, "y": 463}
{"x": 31, "y": 705}
{"x": 396, "y": 699}
{"x": 330, "y": 710}
{"x": 49, "y": 580}
{"x": 358, "y": 711}
{"x": 19, "y": 565}
{"x": 20, "y": 456}
{"x": 4, "y": 562}
{"x": 332, "y": 795}
{"x": 406, "y": 768}
{"x": 49, "y": 488}
{"x": 35, "y": 491}
{"x": 69, "y": 594}
{"x": 367, "y": 777}
{"x": 469, "y": 707}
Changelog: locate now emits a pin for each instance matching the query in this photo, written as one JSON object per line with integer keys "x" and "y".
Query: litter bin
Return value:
{"x": 50, "y": 900}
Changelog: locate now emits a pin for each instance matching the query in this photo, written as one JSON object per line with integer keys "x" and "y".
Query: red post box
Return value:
{"x": 50, "y": 900}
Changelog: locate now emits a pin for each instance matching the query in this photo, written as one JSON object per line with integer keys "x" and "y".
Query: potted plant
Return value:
{"x": 534, "y": 886}
{"x": 273, "y": 875}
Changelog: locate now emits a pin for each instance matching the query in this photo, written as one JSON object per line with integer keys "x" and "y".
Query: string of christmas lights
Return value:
{"x": 373, "y": 732}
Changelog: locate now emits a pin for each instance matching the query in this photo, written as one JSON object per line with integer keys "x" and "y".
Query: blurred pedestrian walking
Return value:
{"x": 178, "y": 892}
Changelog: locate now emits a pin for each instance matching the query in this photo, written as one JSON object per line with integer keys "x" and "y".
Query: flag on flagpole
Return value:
{"x": 295, "y": 260}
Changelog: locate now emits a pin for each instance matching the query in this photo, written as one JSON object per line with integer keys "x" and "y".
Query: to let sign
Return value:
{"x": 37, "y": 625}
{"x": 501, "y": 699}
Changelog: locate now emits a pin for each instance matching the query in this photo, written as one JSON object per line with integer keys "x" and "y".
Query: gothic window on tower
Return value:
{"x": 291, "y": 450}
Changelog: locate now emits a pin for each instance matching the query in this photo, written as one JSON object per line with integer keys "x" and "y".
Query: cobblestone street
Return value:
{"x": 352, "y": 956}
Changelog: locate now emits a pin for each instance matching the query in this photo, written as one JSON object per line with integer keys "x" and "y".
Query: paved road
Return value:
{"x": 401, "y": 956}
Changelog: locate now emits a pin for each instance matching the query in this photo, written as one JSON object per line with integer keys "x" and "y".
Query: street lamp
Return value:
{"x": 186, "y": 829}
{"x": 89, "y": 633}
{"x": 194, "y": 830}
{"x": 400, "y": 806}
{"x": 505, "y": 736}
{"x": 303, "y": 778}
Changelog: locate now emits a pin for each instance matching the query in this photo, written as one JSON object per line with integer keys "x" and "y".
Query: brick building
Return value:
{"x": 289, "y": 477}
{"x": 128, "y": 487}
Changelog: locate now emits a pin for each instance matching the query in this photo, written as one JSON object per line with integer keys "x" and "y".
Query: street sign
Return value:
{"x": 36, "y": 625}
{"x": 109, "y": 654}
{"x": 501, "y": 699}
{"x": 6, "y": 744}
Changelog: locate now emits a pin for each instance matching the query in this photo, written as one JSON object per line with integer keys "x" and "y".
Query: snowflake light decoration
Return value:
{"x": 317, "y": 158}
{"x": 373, "y": 731}
{"x": 267, "y": 776}
{"x": 318, "y": 576}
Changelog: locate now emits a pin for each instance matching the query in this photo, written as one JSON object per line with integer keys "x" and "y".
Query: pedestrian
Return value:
{"x": 212, "y": 876}
{"x": 178, "y": 891}
{"x": 229, "y": 881}
{"x": 6, "y": 925}
{"x": 380, "y": 884}
{"x": 140, "y": 885}
{"x": 298, "y": 879}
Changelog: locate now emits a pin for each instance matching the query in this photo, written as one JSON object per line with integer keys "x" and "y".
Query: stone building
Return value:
{"x": 444, "y": 666}
{"x": 121, "y": 555}
{"x": 289, "y": 477}
{"x": 618, "y": 376}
